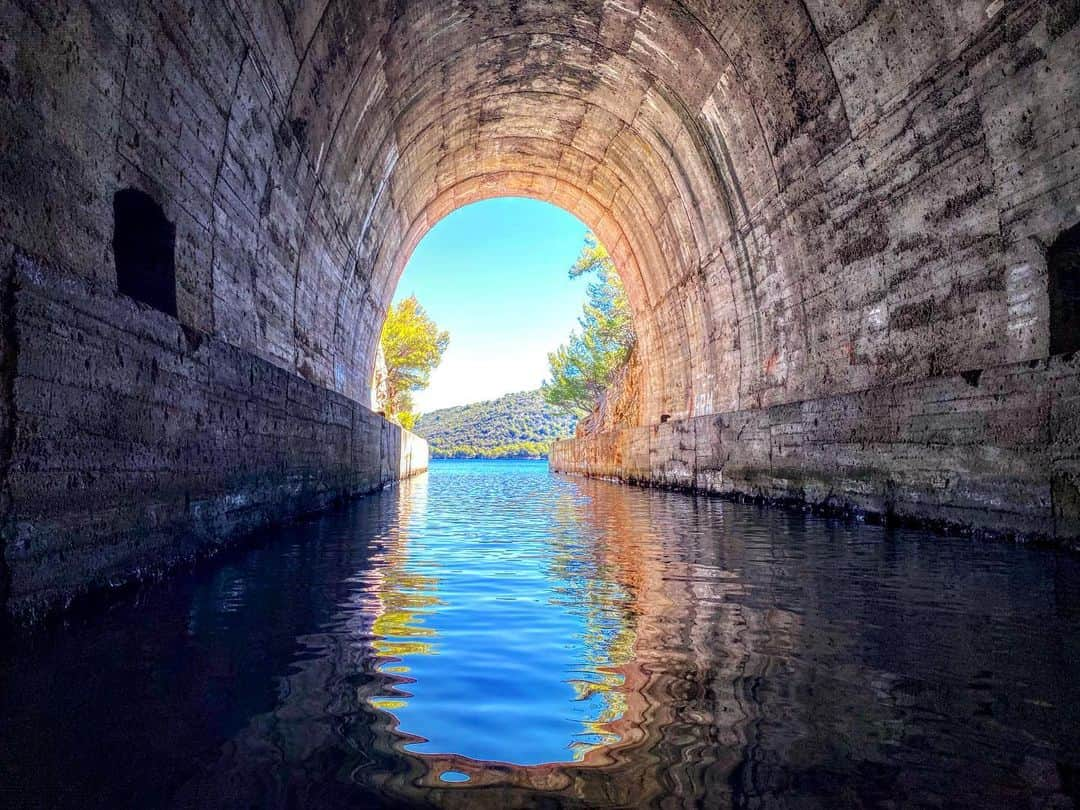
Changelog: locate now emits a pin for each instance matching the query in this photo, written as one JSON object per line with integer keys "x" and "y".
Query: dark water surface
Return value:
{"x": 490, "y": 635}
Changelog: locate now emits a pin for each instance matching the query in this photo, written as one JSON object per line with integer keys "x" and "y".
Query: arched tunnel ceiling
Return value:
{"x": 804, "y": 198}
{"x": 588, "y": 115}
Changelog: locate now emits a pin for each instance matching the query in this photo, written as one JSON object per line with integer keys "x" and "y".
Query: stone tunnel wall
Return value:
{"x": 809, "y": 202}
{"x": 133, "y": 443}
{"x": 995, "y": 451}
{"x": 804, "y": 199}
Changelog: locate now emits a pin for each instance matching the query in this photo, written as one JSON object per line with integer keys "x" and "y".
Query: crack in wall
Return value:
{"x": 9, "y": 348}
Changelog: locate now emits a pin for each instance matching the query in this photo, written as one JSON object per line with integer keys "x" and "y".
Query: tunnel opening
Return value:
{"x": 541, "y": 326}
{"x": 1063, "y": 268}
{"x": 144, "y": 246}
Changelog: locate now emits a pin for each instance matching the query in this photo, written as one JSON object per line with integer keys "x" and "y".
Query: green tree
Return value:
{"x": 582, "y": 369}
{"x": 413, "y": 346}
{"x": 510, "y": 450}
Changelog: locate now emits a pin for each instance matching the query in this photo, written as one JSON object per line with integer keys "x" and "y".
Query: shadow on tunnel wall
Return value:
{"x": 133, "y": 443}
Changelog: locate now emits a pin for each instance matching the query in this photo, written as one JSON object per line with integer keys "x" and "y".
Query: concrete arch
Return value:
{"x": 572, "y": 199}
{"x": 832, "y": 215}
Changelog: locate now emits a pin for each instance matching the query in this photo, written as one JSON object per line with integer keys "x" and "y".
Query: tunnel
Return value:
{"x": 834, "y": 220}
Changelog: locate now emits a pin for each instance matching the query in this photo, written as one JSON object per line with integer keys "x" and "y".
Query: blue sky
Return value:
{"x": 495, "y": 275}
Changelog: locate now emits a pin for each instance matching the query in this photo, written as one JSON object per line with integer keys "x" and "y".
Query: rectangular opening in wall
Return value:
{"x": 1063, "y": 267}
{"x": 144, "y": 244}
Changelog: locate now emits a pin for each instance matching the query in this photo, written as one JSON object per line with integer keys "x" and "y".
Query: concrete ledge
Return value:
{"x": 134, "y": 444}
{"x": 990, "y": 451}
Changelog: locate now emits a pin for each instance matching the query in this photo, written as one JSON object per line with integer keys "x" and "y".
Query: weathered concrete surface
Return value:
{"x": 806, "y": 200}
{"x": 136, "y": 443}
{"x": 995, "y": 451}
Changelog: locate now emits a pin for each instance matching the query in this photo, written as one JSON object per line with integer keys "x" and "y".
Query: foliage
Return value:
{"x": 582, "y": 368}
{"x": 513, "y": 450}
{"x": 413, "y": 346}
{"x": 518, "y": 425}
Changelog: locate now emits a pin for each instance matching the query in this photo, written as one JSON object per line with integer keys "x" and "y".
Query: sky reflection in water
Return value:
{"x": 503, "y": 633}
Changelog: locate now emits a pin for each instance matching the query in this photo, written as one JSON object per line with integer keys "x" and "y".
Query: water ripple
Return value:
{"x": 490, "y": 635}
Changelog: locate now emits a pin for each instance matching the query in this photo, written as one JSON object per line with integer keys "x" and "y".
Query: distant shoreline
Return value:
{"x": 488, "y": 458}
{"x": 515, "y": 426}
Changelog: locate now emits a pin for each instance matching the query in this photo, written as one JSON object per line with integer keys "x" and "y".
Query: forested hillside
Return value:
{"x": 513, "y": 426}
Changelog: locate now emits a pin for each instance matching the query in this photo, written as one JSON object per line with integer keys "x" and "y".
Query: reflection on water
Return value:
{"x": 501, "y": 632}
{"x": 489, "y": 635}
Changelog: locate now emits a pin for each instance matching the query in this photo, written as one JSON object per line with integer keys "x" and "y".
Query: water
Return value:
{"x": 489, "y": 635}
